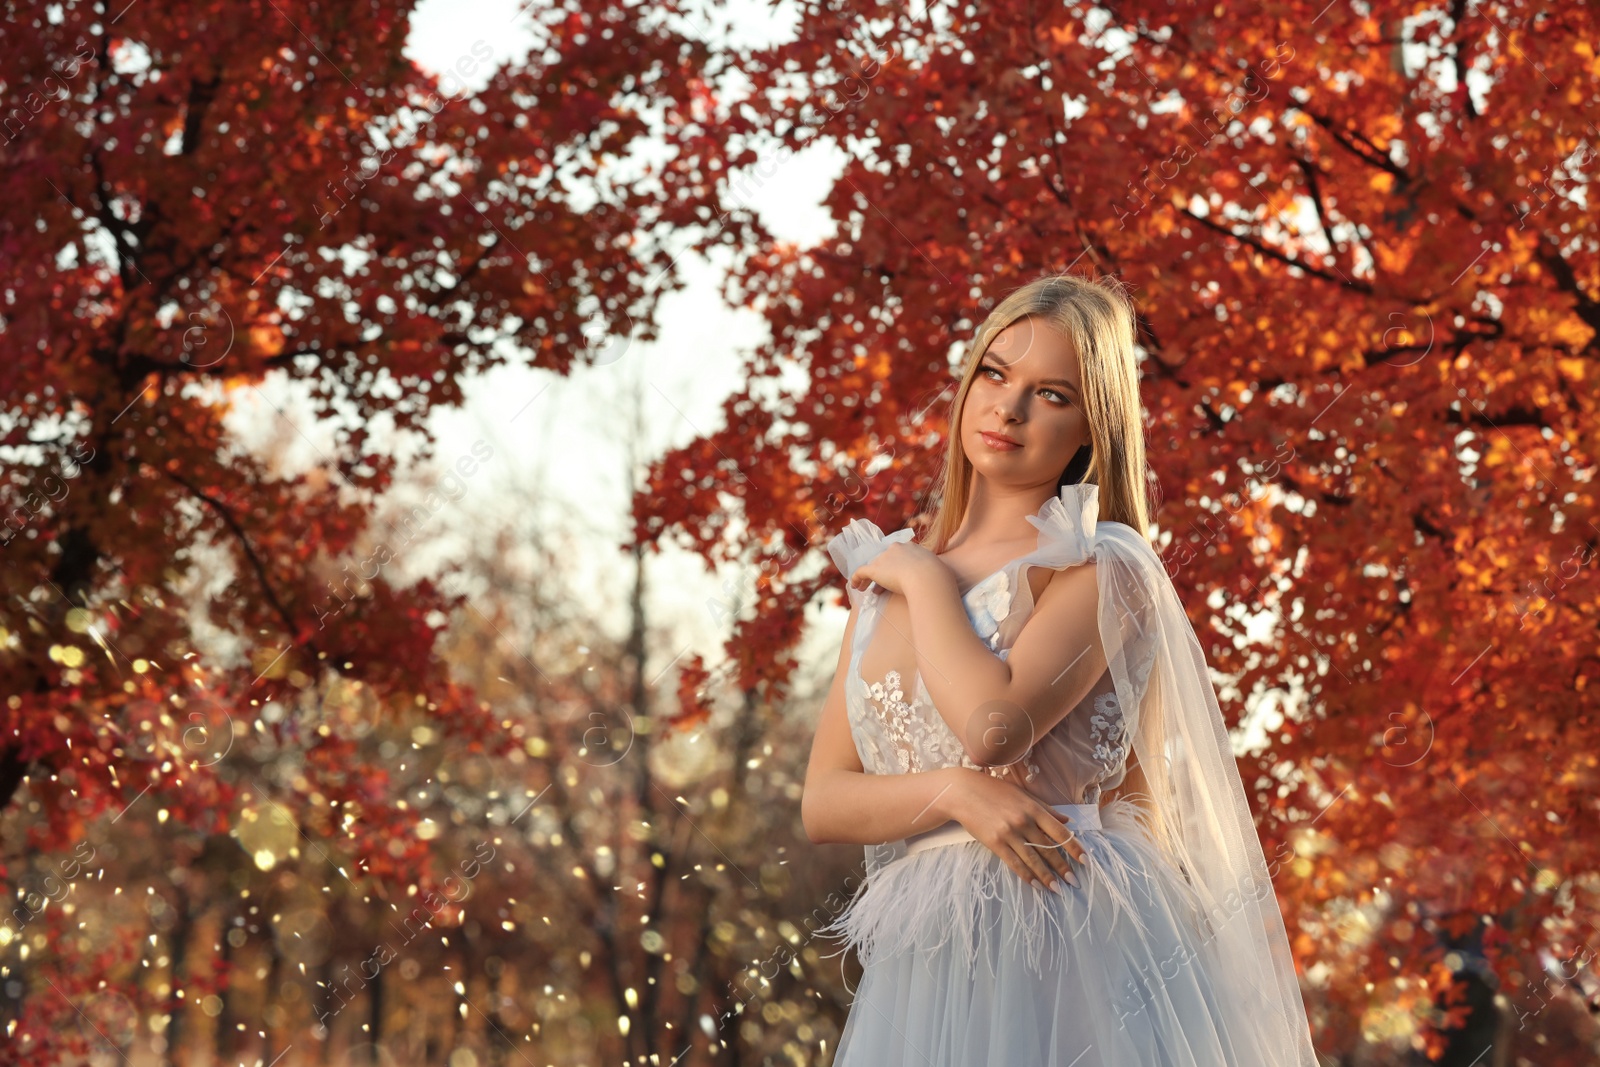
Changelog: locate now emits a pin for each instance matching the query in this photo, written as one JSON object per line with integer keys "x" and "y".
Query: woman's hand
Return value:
{"x": 1017, "y": 827}
{"x": 900, "y": 566}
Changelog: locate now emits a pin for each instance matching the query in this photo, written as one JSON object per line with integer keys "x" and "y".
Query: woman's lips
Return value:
{"x": 998, "y": 443}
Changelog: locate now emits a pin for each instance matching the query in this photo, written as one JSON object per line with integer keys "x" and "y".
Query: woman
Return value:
{"x": 1061, "y": 867}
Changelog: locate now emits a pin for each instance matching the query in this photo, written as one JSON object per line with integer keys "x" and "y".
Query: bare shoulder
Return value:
{"x": 1041, "y": 578}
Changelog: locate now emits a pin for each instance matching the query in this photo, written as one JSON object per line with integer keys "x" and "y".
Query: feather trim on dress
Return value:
{"x": 939, "y": 897}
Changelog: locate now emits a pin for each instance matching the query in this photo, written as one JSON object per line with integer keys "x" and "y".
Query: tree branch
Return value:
{"x": 1273, "y": 253}
{"x": 249, "y": 551}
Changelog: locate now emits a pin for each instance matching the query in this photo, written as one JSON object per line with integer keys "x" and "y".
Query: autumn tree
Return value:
{"x": 1362, "y": 243}
{"x": 214, "y": 204}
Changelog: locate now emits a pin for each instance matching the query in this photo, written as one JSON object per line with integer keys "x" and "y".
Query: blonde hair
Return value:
{"x": 1097, "y": 316}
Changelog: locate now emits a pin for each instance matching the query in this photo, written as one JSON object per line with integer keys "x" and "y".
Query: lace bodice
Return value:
{"x": 895, "y": 725}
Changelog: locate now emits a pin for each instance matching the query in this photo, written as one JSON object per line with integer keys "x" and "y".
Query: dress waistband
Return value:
{"x": 1080, "y": 817}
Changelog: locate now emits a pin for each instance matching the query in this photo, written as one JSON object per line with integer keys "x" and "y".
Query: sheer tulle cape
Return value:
{"x": 1195, "y": 817}
{"x": 1201, "y": 819}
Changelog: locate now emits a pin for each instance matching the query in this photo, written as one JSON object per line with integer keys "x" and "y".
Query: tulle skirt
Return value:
{"x": 965, "y": 964}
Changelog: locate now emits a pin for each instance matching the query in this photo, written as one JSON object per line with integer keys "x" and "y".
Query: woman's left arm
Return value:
{"x": 997, "y": 707}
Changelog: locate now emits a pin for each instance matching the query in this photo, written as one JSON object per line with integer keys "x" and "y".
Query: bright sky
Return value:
{"x": 560, "y": 448}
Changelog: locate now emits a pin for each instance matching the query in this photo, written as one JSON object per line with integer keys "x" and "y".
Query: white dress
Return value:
{"x": 966, "y": 964}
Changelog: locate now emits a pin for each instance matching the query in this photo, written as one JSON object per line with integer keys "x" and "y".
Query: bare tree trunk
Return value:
{"x": 225, "y": 994}
{"x": 180, "y": 973}
{"x": 1480, "y": 1041}
{"x": 273, "y": 973}
{"x": 374, "y": 1016}
{"x": 13, "y": 769}
{"x": 639, "y": 700}
{"x": 324, "y": 1006}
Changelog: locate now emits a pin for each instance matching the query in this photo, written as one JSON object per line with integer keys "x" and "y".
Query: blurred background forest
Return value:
{"x": 421, "y": 423}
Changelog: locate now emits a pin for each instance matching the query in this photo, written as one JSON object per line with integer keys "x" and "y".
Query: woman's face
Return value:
{"x": 1026, "y": 392}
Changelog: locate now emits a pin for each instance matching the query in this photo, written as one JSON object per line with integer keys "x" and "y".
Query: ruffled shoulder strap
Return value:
{"x": 1067, "y": 524}
{"x": 858, "y": 544}
{"x": 1068, "y": 528}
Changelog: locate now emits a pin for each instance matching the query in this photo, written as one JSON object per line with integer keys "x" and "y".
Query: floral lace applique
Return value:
{"x": 1108, "y": 730}
{"x": 919, "y": 738}
{"x": 987, "y": 604}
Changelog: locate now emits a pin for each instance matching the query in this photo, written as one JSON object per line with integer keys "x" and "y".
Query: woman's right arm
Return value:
{"x": 842, "y": 804}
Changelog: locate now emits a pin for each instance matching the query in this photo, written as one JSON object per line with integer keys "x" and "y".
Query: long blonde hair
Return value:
{"x": 1097, "y": 316}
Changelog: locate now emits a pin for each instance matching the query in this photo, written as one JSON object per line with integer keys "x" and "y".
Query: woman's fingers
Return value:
{"x": 1050, "y": 854}
{"x": 1057, "y": 829}
{"x": 1009, "y": 857}
{"x": 1057, "y": 863}
{"x": 1015, "y": 852}
{"x": 1060, "y": 861}
{"x": 1033, "y": 855}
{"x": 1045, "y": 860}
{"x": 1062, "y": 844}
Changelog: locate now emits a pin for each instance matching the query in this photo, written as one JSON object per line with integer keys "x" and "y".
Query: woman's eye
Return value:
{"x": 999, "y": 375}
